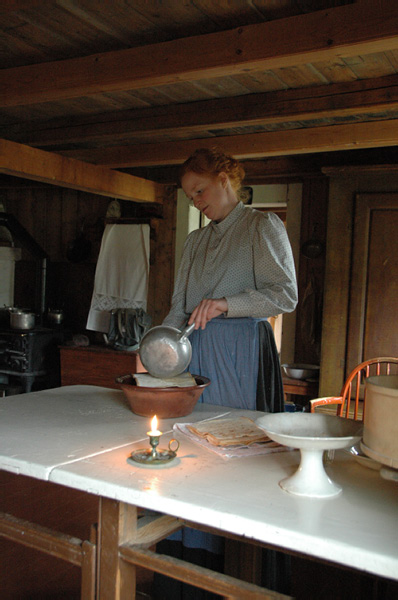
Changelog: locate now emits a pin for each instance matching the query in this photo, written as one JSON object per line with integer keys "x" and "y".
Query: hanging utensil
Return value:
{"x": 166, "y": 351}
{"x": 313, "y": 247}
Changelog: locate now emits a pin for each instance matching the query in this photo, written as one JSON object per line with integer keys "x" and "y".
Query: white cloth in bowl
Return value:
{"x": 146, "y": 380}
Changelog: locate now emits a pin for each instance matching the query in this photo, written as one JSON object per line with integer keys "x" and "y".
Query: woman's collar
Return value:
{"x": 231, "y": 217}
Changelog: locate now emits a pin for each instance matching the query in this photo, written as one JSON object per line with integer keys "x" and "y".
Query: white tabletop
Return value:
{"x": 358, "y": 528}
{"x": 41, "y": 430}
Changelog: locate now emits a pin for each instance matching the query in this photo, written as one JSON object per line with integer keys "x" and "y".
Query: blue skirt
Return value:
{"x": 228, "y": 352}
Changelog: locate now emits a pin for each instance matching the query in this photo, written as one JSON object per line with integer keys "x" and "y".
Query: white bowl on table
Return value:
{"x": 312, "y": 434}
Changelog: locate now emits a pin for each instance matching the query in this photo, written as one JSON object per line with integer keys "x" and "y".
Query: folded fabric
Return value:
{"x": 146, "y": 380}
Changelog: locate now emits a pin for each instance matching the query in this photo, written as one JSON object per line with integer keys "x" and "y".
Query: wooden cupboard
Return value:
{"x": 96, "y": 365}
{"x": 372, "y": 326}
{"x": 361, "y": 291}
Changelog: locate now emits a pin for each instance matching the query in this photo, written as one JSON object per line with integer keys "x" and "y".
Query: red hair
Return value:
{"x": 212, "y": 162}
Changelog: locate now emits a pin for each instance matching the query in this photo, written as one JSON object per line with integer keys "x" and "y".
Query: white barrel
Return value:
{"x": 380, "y": 434}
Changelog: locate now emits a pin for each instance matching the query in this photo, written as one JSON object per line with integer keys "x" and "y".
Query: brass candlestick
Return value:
{"x": 155, "y": 456}
{"x": 154, "y": 442}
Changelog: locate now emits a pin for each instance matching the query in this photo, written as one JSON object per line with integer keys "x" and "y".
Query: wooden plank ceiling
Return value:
{"x": 143, "y": 83}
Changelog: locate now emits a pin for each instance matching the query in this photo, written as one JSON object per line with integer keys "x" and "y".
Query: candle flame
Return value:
{"x": 154, "y": 424}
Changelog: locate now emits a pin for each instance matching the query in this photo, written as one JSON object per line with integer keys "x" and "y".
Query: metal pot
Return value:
{"x": 22, "y": 319}
{"x": 166, "y": 351}
{"x": 55, "y": 316}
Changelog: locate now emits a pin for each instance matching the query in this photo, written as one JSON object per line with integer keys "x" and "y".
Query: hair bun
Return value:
{"x": 212, "y": 162}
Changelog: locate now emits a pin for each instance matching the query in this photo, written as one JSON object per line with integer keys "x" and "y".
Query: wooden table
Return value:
{"x": 82, "y": 436}
{"x": 301, "y": 391}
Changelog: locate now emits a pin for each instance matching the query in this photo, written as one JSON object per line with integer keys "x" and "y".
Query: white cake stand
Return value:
{"x": 312, "y": 434}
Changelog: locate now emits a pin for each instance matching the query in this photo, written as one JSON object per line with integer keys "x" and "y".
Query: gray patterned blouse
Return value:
{"x": 245, "y": 258}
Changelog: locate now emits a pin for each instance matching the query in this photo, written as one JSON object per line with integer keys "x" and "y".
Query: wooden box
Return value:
{"x": 96, "y": 365}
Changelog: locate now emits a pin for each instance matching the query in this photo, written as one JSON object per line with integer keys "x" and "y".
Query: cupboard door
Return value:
{"x": 373, "y": 323}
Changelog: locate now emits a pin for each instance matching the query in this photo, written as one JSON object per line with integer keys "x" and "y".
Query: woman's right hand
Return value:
{"x": 208, "y": 309}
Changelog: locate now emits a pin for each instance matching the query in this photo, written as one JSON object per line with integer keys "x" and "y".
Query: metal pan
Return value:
{"x": 166, "y": 351}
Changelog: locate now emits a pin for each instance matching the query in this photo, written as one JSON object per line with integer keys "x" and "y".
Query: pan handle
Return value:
{"x": 187, "y": 330}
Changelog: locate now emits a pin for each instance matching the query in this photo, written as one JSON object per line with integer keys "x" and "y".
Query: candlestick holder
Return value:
{"x": 154, "y": 456}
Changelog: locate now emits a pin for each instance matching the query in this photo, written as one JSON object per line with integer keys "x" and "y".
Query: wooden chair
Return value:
{"x": 353, "y": 391}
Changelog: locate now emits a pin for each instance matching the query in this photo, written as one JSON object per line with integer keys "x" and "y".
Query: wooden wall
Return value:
{"x": 56, "y": 218}
{"x": 161, "y": 275}
{"x": 311, "y": 272}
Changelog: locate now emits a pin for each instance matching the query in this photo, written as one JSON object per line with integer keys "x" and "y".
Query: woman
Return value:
{"x": 235, "y": 273}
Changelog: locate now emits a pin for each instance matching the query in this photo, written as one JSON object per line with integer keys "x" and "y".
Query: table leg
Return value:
{"x": 117, "y": 525}
{"x": 124, "y": 542}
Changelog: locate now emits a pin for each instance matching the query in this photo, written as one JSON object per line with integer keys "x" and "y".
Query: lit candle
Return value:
{"x": 154, "y": 428}
{"x": 154, "y": 436}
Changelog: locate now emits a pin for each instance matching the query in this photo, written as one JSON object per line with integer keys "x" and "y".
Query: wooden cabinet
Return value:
{"x": 372, "y": 325}
{"x": 361, "y": 293}
{"x": 96, "y": 365}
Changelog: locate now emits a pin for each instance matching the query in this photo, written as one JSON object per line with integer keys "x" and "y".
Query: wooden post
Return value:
{"x": 117, "y": 525}
{"x": 161, "y": 273}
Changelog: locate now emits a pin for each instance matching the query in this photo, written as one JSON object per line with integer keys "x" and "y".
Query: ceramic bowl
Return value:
{"x": 312, "y": 434}
{"x": 166, "y": 402}
{"x": 301, "y": 371}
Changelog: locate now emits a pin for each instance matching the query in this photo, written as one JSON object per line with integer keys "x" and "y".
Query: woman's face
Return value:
{"x": 211, "y": 195}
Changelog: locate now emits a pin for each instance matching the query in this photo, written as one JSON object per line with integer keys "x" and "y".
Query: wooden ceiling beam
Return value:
{"x": 337, "y": 100}
{"x": 373, "y": 134}
{"x": 292, "y": 167}
{"x": 354, "y": 29}
{"x": 29, "y": 163}
{"x": 10, "y": 6}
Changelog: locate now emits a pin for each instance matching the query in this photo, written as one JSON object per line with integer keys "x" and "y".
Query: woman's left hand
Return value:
{"x": 207, "y": 310}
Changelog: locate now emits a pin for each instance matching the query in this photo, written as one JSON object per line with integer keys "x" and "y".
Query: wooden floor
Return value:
{"x": 31, "y": 575}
